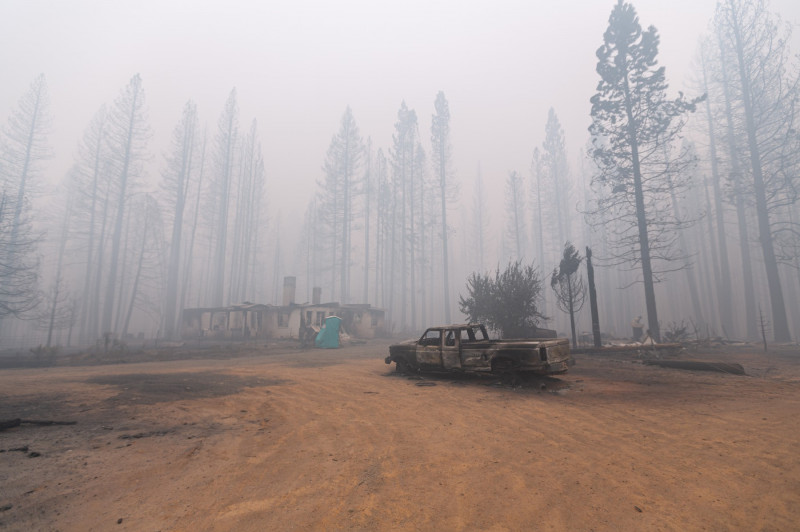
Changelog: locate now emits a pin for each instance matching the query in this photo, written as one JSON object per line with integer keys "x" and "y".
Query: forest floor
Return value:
{"x": 246, "y": 437}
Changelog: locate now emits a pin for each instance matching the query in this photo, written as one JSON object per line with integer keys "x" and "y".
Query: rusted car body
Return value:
{"x": 467, "y": 348}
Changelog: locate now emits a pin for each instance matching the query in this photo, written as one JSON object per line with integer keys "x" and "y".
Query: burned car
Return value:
{"x": 467, "y": 348}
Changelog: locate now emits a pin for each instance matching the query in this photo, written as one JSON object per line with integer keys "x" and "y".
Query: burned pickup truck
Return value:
{"x": 468, "y": 348}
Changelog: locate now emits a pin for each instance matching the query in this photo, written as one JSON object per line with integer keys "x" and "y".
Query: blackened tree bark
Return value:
{"x": 593, "y": 299}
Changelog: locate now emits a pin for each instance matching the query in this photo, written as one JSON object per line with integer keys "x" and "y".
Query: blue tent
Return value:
{"x": 328, "y": 336}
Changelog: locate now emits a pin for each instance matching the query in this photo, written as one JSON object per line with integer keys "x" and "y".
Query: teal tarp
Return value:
{"x": 328, "y": 336}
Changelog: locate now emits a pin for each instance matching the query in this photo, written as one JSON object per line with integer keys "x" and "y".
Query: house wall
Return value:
{"x": 277, "y": 322}
{"x": 271, "y": 323}
{"x": 256, "y": 323}
{"x": 285, "y": 322}
{"x": 192, "y": 325}
{"x": 244, "y": 323}
{"x": 362, "y": 323}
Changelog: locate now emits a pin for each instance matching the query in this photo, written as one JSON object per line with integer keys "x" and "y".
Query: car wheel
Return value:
{"x": 401, "y": 367}
{"x": 506, "y": 371}
{"x": 511, "y": 378}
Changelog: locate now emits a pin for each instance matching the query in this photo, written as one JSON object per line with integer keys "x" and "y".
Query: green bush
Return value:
{"x": 507, "y": 301}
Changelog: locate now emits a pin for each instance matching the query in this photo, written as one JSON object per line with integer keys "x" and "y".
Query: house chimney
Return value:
{"x": 316, "y": 298}
{"x": 289, "y": 283}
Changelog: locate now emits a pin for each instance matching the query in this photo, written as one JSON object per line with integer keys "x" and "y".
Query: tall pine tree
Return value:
{"x": 632, "y": 119}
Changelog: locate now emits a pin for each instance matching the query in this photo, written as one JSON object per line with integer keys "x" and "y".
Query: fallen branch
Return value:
{"x": 11, "y": 423}
{"x": 697, "y": 365}
{"x": 636, "y": 347}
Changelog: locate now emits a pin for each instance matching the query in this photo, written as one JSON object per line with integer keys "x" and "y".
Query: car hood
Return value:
{"x": 406, "y": 342}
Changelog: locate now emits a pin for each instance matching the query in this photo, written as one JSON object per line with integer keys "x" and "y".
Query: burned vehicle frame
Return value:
{"x": 467, "y": 348}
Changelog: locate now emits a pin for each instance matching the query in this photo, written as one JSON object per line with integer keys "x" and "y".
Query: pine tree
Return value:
{"x": 442, "y": 162}
{"x": 402, "y": 238}
{"x": 720, "y": 257}
{"x": 632, "y": 119}
{"x": 224, "y": 160}
{"x": 758, "y": 50}
{"x": 480, "y": 218}
{"x": 23, "y": 151}
{"x": 91, "y": 213}
{"x": 515, "y": 209}
{"x": 176, "y": 182}
{"x": 127, "y": 142}
{"x": 342, "y": 165}
{"x": 556, "y": 173}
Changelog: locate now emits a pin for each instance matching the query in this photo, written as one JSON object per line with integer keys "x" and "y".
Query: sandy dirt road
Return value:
{"x": 283, "y": 439}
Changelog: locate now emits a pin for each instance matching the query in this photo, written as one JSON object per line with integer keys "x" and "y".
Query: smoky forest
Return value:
{"x": 685, "y": 200}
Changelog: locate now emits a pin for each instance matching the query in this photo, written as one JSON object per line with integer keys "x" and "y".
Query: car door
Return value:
{"x": 474, "y": 349}
{"x": 451, "y": 350}
{"x": 429, "y": 349}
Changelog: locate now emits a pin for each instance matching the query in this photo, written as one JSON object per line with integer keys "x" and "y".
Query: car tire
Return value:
{"x": 401, "y": 367}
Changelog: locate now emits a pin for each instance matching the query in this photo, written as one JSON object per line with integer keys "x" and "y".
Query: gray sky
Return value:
{"x": 297, "y": 64}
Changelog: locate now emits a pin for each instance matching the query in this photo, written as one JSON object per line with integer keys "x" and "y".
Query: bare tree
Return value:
{"x": 770, "y": 100}
{"x": 176, "y": 182}
{"x": 736, "y": 185}
{"x": 190, "y": 254}
{"x": 23, "y": 151}
{"x": 224, "y": 159}
{"x": 687, "y": 220}
{"x": 719, "y": 258}
{"x": 127, "y": 143}
{"x": 91, "y": 217}
{"x": 248, "y": 216}
{"x": 58, "y": 313}
{"x": 149, "y": 259}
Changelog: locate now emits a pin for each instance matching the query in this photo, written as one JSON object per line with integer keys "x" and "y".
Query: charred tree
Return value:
{"x": 176, "y": 182}
{"x": 23, "y": 150}
{"x": 568, "y": 286}
{"x": 127, "y": 141}
{"x": 224, "y": 159}
{"x": 593, "y": 299}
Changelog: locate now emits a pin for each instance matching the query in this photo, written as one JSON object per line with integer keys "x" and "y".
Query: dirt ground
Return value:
{"x": 275, "y": 438}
